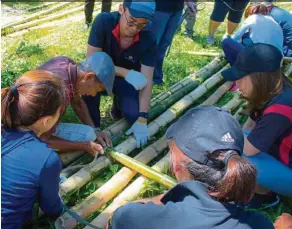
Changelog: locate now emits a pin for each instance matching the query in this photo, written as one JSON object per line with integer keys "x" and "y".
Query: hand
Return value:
{"x": 103, "y": 139}
{"x": 284, "y": 221}
{"x": 192, "y": 6}
{"x": 92, "y": 148}
{"x": 140, "y": 131}
{"x": 137, "y": 79}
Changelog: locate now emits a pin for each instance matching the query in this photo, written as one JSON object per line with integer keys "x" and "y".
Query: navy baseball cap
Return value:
{"x": 255, "y": 58}
{"x": 139, "y": 9}
{"x": 204, "y": 130}
{"x": 102, "y": 65}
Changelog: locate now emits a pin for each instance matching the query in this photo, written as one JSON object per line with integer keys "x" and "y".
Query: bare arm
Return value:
{"x": 249, "y": 149}
{"x": 146, "y": 92}
{"x": 249, "y": 124}
{"x": 81, "y": 111}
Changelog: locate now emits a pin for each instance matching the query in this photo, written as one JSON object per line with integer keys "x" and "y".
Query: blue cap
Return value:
{"x": 140, "y": 9}
{"x": 102, "y": 65}
{"x": 255, "y": 58}
{"x": 204, "y": 130}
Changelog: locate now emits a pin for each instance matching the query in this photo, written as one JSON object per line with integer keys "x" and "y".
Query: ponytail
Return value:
{"x": 239, "y": 182}
{"x": 34, "y": 95}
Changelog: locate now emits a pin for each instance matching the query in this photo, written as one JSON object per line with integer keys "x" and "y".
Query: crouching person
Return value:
{"x": 206, "y": 145}
{"x": 30, "y": 169}
{"x": 89, "y": 77}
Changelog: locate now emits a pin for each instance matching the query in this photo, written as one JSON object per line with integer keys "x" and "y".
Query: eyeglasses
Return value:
{"x": 132, "y": 24}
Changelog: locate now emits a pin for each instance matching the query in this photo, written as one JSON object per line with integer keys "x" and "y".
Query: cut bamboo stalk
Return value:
{"x": 38, "y": 15}
{"x": 67, "y": 158}
{"x": 233, "y": 103}
{"x": 128, "y": 194}
{"x": 123, "y": 177}
{"x": 114, "y": 185}
{"x": 215, "y": 65}
{"x": 135, "y": 188}
{"x": 40, "y": 21}
{"x": 288, "y": 71}
{"x": 41, "y": 6}
{"x": 217, "y": 94}
{"x": 84, "y": 175}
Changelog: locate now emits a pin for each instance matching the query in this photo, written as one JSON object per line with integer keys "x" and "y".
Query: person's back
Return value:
{"x": 24, "y": 161}
{"x": 187, "y": 206}
{"x": 284, "y": 19}
{"x": 262, "y": 29}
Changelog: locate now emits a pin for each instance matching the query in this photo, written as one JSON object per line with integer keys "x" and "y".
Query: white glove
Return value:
{"x": 140, "y": 131}
{"x": 137, "y": 79}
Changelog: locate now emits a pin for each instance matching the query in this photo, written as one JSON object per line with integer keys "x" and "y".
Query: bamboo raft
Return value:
{"x": 164, "y": 109}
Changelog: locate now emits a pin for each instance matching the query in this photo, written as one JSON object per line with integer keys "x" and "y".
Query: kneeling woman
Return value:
{"x": 30, "y": 169}
{"x": 268, "y": 146}
{"x": 205, "y": 147}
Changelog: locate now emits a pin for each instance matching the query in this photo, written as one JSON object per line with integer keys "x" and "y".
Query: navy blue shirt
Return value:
{"x": 105, "y": 34}
{"x": 273, "y": 130}
{"x": 30, "y": 173}
{"x": 169, "y": 5}
{"x": 187, "y": 206}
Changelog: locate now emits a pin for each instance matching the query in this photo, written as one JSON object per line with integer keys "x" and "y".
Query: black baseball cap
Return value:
{"x": 204, "y": 130}
{"x": 255, "y": 58}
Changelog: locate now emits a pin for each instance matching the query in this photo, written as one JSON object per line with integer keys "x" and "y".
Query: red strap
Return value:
{"x": 280, "y": 109}
{"x": 285, "y": 149}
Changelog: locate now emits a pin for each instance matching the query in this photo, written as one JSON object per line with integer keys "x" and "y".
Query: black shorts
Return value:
{"x": 234, "y": 9}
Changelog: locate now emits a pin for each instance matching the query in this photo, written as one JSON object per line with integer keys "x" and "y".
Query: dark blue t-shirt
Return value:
{"x": 169, "y": 5}
{"x": 187, "y": 206}
{"x": 273, "y": 130}
{"x": 105, "y": 34}
{"x": 29, "y": 173}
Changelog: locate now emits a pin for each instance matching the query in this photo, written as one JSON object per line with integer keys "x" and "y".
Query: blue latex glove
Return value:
{"x": 137, "y": 79}
{"x": 140, "y": 131}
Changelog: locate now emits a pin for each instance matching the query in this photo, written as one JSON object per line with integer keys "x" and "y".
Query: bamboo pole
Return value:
{"x": 84, "y": 175}
{"x": 128, "y": 194}
{"x": 215, "y": 65}
{"x": 40, "y": 21}
{"x": 9, "y": 28}
{"x": 233, "y": 103}
{"x": 115, "y": 184}
{"x": 218, "y": 93}
{"x": 288, "y": 71}
{"x": 135, "y": 188}
{"x": 217, "y": 54}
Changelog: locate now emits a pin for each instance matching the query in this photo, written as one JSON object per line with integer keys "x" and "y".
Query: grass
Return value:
{"x": 29, "y": 50}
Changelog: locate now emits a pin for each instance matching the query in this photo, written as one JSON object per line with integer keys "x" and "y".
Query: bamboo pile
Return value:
{"x": 119, "y": 181}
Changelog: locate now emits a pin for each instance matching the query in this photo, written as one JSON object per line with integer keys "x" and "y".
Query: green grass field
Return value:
{"x": 26, "y": 51}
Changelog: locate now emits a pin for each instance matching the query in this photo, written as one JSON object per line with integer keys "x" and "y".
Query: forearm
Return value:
{"x": 144, "y": 97}
{"x": 156, "y": 199}
{"x": 82, "y": 113}
{"x": 249, "y": 125}
{"x": 121, "y": 72}
{"x": 60, "y": 144}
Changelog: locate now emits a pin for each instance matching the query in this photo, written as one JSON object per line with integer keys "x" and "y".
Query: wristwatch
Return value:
{"x": 143, "y": 115}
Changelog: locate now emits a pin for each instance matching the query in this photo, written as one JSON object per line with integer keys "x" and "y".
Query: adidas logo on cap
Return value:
{"x": 227, "y": 138}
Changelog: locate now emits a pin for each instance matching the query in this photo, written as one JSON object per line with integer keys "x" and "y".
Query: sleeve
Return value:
{"x": 97, "y": 32}
{"x": 244, "y": 27}
{"x": 50, "y": 201}
{"x": 137, "y": 215}
{"x": 150, "y": 55}
{"x": 267, "y": 130}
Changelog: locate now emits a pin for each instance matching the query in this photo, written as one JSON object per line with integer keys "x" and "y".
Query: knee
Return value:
{"x": 89, "y": 134}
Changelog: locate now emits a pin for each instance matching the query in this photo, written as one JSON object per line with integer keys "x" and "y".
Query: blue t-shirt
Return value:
{"x": 105, "y": 34}
{"x": 187, "y": 206}
{"x": 273, "y": 130}
{"x": 29, "y": 173}
{"x": 284, "y": 19}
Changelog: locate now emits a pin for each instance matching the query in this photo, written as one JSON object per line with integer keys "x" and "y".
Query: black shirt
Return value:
{"x": 105, "y": 34}
{"x": 187, "y": 206}
{"x": 169, "y": 5}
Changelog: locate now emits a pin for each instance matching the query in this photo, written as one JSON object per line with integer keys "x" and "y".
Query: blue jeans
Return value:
{"x": 75, "y": 132}
{"x": 231, "y": 47}
{"x": 126, "y": 99}
{"x": 271, "y": 173}
{"x": 163, "y": 26}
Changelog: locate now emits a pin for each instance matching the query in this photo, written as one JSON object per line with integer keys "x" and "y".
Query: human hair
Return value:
{"x": 34, "y": 95}
{"x": 256, "y": 9}
{"x": 235, "y": 181}
{"x": 265, "y": 86}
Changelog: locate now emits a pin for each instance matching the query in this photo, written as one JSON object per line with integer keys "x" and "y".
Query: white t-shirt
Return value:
{"x": 262, "y": 29}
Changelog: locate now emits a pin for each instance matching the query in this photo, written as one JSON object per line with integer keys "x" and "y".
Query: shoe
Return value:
{"x": 189, "y": 34}
{"x": 262, "y": 202}
{"x": 210, "y": 40}
{"x": 86, "y": 26}
{"x": 115, "y": 113}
